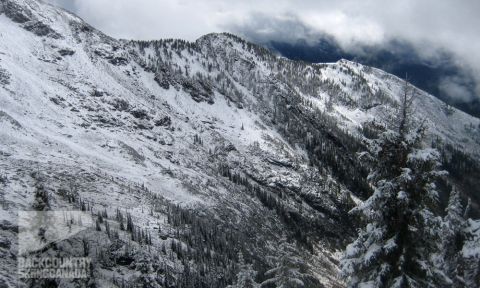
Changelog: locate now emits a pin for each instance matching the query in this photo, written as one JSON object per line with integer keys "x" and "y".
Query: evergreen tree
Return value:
{"x": 41, "y": 198}
{"x": 470, "y": 254}
{"x": 290, "y": 271}
{"x": 245, "y": 275}
{"x": 147, "y": 277}
{"x": 401, "y": 236}
{"x": 453, "y": 232}
{"x": 460, "y": 257}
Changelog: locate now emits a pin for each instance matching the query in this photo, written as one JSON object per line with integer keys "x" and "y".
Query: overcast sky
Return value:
{"x": 428, "y": 24}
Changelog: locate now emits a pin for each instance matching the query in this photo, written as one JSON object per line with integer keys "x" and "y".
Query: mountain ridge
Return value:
{"x": 436, "y": 76}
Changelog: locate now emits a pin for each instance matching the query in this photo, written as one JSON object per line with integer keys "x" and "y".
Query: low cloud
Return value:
{"x": 456, "y": 88}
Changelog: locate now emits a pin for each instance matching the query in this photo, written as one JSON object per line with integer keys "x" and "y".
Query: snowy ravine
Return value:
{"x": 212, "y": 148}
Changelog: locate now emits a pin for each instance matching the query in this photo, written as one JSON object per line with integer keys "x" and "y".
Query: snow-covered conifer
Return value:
{"x": 401, "y": 236}
{"x": 246, "y": 274}
{"x": 290, "y": 270}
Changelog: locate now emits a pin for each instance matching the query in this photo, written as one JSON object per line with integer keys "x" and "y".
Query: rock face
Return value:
{"x": 41, "y": 29}
{"x": 15, "y": 12}
{"x": 191, "y": 152}
{"x": 199, "y": 90}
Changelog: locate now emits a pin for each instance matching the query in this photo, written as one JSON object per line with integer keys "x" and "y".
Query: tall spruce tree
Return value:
{"x": 470, "y": 254}
{"x": 453, "y": 232}
{"x": 460, "y": 256}
{"x": 290, "y": 271}
{"x": 246, "y": 274}
{"x": 401, "y": 235}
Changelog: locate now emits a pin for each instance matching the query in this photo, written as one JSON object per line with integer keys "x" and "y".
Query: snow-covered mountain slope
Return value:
{"x": 217, "y": 134}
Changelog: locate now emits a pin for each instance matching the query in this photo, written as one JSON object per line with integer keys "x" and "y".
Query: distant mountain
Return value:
{"x": 398, "y": 58}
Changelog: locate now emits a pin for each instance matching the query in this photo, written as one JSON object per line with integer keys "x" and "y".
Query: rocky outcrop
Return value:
{"x": 15, "y": 12}
{"x": 41, "y": 29}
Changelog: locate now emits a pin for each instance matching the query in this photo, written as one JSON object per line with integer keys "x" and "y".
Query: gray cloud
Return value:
{"x": 456, "y": 88}
{"x": 430, "y": 25}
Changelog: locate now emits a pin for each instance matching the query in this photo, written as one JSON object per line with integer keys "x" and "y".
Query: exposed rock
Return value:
{"x": 119, "y": 61}
{"x": 224, "y": 149}
{"x": 166, "y": 140}
{"x": 137, "y": 157}
{"x": 281, "y": 163}
{"x": 139, "y": 113}
{"x": 200, "y": 90}
{"x": 229, "y": 147}
{"x": 120, "y": 104}
{"x": 40, "y": 29}
{"x": 15, "y": 12}
{"x": 106, "y": 121}
{"x": 98, "y": 93}
{"x": 125, "y": 260}
{"x": 5, "y": 243}
{"x": 164, "y": 121}
{"x": 4, "y": 77}
{"x": 58, "y": 101}
{"x": 8, "y": 226}
{"x": 5, "y": 117}
{"x": 66, "y": 52}
{"x": 103, "y": 53}
{"x": 144, "y": 125}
